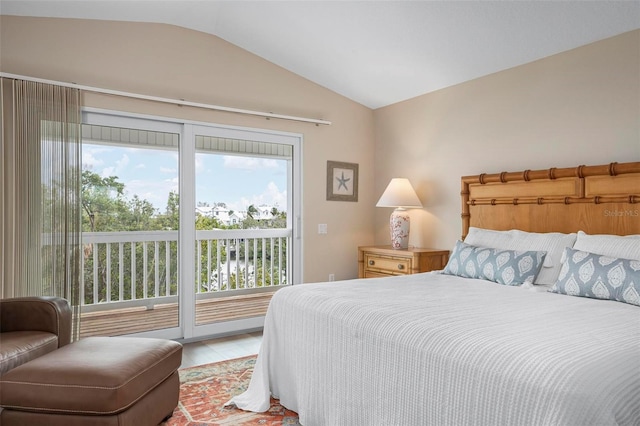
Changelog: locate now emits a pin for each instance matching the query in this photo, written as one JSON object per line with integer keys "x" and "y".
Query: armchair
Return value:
{"x": 31, "y": 327}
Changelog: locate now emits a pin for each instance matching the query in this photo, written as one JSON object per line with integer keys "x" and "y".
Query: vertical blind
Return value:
{"x": 40, "y": 165}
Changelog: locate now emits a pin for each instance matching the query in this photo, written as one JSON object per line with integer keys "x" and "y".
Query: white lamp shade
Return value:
{"x": 399, "y": 193}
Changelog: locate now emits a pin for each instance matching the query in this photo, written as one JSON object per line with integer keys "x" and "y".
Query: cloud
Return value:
{"x": 121, "y": 164}
{"x": 90, "y": 154}
{"x": 175, "y": 182}
{"x": 270, "y": 196}
{"x": 275, "y": 196}
{"x": 156, "y": 192}
{"x": 135, "y": 150}
{"x": 236, "y": 180}
{"x": 200, "y": 162}
{"x": 249, "y": 163}
{"x": 89, "y": 161}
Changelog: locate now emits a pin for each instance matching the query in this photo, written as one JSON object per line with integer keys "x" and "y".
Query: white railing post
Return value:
{"x": 156, "y": 269}
{"x": 264, "y": 262}
{"x": 107, "y": 291}
{"x": 219, "y": 281}
{"x": 272, "y": 256}
{"x": 208, "y": 265}
{"x": 120, "y": 271}
{"x": 229, "y": 264}
{"x": 167, "y": 268}
{"x": 133, "y": 270}
{"x": 145, "y": 266}
{"x": 95, "y": 273}
{"x": 199, "y": 266}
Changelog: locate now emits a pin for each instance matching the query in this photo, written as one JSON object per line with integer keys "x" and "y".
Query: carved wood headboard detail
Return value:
{"x": 601, "y": 199}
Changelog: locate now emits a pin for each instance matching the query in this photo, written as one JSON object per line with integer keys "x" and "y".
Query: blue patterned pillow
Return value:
{"x": 599, "y": 277}
{"x": 507, "y": 267}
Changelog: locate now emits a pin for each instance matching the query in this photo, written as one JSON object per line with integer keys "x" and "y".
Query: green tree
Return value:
{"x": 105, "y": 209}
{"x": 170, "y": 219}
{"x": 207, "y": 222}
{"x": 101, "y": 199}
{"x": 139, "y": 215}
{"x": 251, "y": 211}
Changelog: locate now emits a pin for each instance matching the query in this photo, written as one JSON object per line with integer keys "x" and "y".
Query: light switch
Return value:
{"x": 322, "y": 228}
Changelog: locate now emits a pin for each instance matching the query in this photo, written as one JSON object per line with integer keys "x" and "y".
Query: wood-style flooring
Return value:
{"x": 115, "y": 322}
{"x": 220, "y": 349}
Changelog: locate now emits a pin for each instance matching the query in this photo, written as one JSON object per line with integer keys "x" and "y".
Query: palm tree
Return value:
{"x": 251, "y": 210}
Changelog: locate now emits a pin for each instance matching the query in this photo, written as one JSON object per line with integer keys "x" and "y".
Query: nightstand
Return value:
{"x": 383, "y": 261}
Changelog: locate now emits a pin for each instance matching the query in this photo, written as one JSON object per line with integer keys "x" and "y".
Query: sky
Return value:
{"x": 238, "y": 181}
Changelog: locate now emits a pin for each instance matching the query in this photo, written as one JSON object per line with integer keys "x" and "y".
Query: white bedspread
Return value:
{"x": 431, "y": 349}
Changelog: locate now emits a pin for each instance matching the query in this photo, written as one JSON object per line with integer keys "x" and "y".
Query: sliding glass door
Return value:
{"x": 130, "y": 227}
{"x": 187, "y": 228}
{"x": 243, "y": 200}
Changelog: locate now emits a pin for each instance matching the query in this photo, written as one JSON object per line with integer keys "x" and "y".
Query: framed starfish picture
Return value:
{"x": 342, "y": 181}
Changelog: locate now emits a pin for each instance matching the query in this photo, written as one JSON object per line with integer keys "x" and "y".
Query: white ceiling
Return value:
{"x": 375, "y": 52}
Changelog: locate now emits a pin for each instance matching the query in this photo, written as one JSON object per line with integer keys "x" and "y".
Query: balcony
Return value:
{"x": 130, "y": 279}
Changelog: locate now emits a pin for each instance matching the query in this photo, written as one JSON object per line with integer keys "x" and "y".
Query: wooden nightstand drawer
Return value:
{"x": 383, "y": 261}
{"x": 389, "y": 265}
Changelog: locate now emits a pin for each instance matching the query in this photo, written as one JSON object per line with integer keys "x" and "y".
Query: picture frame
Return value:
{"x": 342, "y": 181}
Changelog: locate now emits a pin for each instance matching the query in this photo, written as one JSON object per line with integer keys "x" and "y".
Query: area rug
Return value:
{"x": 204, "y": 389}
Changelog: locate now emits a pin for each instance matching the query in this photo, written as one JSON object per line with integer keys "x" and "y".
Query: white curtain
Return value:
{"x": 40, "y": 172}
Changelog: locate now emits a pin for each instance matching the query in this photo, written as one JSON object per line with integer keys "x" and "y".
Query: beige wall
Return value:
{"x": 174, "y": 62}
{"x": 578, "y": 107}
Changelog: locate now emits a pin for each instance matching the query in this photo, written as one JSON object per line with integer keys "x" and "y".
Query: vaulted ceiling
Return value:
{"x": 375, "y": 52}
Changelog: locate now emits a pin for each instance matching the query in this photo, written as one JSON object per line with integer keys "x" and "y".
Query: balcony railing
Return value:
{"x": 135, "y": 269}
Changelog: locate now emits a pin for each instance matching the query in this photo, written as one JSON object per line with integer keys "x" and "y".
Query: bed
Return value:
{"x": 474, "y": 345}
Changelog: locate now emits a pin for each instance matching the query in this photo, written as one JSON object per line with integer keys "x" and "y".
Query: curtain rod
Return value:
{"x": 267, "y": 115}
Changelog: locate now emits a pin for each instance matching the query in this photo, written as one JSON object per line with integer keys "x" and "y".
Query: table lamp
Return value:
{"x": 399, "y": 194}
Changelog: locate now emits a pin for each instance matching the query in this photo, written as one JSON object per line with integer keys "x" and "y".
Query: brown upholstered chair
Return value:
{"x": 31, "y": 327}
{"x": 97, "y": 381}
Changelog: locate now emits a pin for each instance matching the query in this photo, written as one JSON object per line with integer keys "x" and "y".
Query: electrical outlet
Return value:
{"x": 322, "y": 228}
{"x": 332, "y": 277}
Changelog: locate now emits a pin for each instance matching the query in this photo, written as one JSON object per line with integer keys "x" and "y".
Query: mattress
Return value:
{"x": 432, "y": 349}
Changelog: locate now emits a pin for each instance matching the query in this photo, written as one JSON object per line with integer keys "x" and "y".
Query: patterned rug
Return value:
{"x": 205, "y": 388}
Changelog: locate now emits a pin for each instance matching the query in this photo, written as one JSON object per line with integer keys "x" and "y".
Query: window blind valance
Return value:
{"x": 123, "y": 137}
{"x": 244, "y": 147}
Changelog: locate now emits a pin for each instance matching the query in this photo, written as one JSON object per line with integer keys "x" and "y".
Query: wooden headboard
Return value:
{"x": 595, "y": 199}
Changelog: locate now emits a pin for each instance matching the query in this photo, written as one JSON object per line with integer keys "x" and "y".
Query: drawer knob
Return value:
{"x": 400, "y": 266}
{"x": 371, "y": 263}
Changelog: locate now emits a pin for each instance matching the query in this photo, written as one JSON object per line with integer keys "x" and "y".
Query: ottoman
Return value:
{"x": 96, "y": 381}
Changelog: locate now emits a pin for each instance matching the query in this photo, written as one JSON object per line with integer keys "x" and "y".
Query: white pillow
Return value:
{"x": 553, "y": 243}
{"x": 627, "y": 247}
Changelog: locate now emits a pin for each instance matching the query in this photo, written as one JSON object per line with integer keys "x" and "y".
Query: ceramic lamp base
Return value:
{"x": 399, "y": 224}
